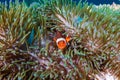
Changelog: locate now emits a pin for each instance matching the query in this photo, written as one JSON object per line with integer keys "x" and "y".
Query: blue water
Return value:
{"x": 97, "y": 2}
{"x": 31, "y": 37}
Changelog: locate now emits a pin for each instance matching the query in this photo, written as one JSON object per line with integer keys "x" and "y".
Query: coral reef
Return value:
{"x": 28, "y": 50}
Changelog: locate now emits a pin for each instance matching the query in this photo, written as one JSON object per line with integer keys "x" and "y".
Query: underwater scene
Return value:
{"x": 59, "y": 40}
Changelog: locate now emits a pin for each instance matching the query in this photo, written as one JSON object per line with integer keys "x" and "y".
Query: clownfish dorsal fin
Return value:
{"x": 58, "y": 34}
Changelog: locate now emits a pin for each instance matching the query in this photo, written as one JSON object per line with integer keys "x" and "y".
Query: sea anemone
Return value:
{"x": 26, "y": 39}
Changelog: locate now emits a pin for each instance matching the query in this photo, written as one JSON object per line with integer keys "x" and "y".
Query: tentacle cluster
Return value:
{"x": 27, "y": 49}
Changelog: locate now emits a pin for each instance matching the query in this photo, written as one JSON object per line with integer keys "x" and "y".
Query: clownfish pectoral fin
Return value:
{"x": 54, "y": 38}
{"x": 68, "y": 38}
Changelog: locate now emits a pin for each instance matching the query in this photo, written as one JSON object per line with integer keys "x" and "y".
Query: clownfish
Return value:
{"x": 61, "y": 41}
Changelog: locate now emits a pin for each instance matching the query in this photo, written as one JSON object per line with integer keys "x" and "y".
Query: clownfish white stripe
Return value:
{"x": 60, "y": 39}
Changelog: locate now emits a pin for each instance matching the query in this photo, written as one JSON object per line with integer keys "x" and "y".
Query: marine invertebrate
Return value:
{"x": 95, "y": 34}
{"x": 93, "y": 48}
{"x": 16, "y": 21}
{"x": 12, "y": 21}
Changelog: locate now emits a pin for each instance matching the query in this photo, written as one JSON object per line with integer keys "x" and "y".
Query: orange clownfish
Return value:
{"x": 61, "y": 41}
